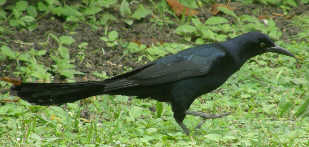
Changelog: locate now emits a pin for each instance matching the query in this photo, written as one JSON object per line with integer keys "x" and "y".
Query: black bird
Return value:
{"x": 178, "y": 79}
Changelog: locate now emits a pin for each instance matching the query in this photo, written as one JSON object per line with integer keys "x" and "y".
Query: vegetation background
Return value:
{"x": 66, "y": 41}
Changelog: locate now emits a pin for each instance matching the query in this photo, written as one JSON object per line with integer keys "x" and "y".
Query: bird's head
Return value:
{"x": 254, "y": 43}
{"x": 262, "y": 43}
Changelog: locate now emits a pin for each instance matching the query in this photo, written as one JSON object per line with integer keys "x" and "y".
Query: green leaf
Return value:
{"x": 159, "y": 107}
{"x": 229, "y": 138}
{"x": 25, "y": 57}
{"x": 74, "y": 19}
{"x": 156, "y": 51}
{"x": 92, "y": 10}
{"x": 66, "y": 11}
{"x": 17, "y": 13}
{"x": 67, "y": 40}
{"x": 128, "y": 21}
{"x": 125, "y": 8}
{"x": 141, "y": 12}
{"x": 275, "y": 34}
{"x": 107, "y": 17}
{"x": 227, "y": 11}
{"x": 197, "y": 22}
{"x": 6, "y": 51}
{"x": 15, "y": 22}
{"x": 151, "y": 130}
{"x": 40, "y": 52}
{"x": 302, "y": 109}
{"x": 271, "y": 23}
{"x": 4, "y": 109}
{"x": 284, "y": 106}
{"x": 42, "y": 6}
{"x": 213, "y": 137}
{"x": 106, "y": 3}
{"x": 64, "y": 52}
{"x": 27, "y": 19}
{"x": 247, "y": 2}
{"x": 31, "y": 10}
{"x": 113, "y": 35}
{"x": 39, "y": 71}
{"x": 189, "y": 3}
{"x": 208, "y": 34}
{"x": 134, "y": 48}
{"x": 199, "y": 41}
{"x": 3, "y": 14}
{"x": 305, "y": 1}
{"x": 52, "y": 2}
{"x": 104, "y": 38}
{"x": 2, "y": 2}
{"x": 10, "y": 109}
{"x": 249, "y": 18}
{"x": 21, "y": 5}
{"x": 290, "y": 2}
{"x": 214, "y": 20}
{"x": 83, "y": 45}
{"x": 185, "y": 29}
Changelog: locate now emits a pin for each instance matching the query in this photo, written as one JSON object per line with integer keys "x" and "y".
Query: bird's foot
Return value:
{"x": 206, "y": 116}
{"x": 184, "y": 128}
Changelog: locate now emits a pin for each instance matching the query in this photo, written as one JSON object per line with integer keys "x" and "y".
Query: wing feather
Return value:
{"x": 180, "y": 69}
{"x": 184, "y": 65}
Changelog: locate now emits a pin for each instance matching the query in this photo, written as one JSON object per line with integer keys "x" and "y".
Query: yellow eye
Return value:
{"x": 262, "y": 44}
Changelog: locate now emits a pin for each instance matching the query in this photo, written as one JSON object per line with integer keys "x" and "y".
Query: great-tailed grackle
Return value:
{"x": 178, "y": 79}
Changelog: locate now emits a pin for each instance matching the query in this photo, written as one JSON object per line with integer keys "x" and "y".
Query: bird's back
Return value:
{"x": 211, "y": 57}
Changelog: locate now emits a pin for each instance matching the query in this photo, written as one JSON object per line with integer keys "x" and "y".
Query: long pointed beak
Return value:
{"x": 280, "y": 50}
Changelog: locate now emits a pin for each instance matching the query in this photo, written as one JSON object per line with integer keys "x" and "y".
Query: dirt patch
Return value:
{"x": 99, "y": 57}
{"x": 112, "y": 60}
{"x": 277, "y": 14}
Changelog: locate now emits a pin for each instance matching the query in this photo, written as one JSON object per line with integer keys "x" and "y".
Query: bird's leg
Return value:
{"x": 184, "y": 127}
{"x": 206, "y": 116}
{"x": 179, "y": 115}
{"x": 200, "y": 124}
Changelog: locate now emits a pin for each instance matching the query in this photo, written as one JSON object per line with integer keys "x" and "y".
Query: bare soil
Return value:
{"x": 114, "y": 61}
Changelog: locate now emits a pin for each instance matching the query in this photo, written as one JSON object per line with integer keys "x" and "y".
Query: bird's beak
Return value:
{"x": 280, "y": 50}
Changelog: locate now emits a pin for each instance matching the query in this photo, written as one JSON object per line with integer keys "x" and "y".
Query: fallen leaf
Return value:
{"x": 10, "y": 101}
{"x": 262, "y": 17}
{"x": 215, "y": 10}
{"x": 138, "y": 42}
{"x": 180, "y": 9}
{"x": 11, "y": 80}
{"x": 54, "y": 117}
{"x": 85, "y": 120}
{"x": 277, "y": 14}
{"x": 85, "y": 78}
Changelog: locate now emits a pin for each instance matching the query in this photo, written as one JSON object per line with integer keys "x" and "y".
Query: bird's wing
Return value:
{"x": 178, "y": 69}
{"x": 168, "y": 69}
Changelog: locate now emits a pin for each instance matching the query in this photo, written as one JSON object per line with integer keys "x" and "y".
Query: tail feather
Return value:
{"x": 57, "y": 93}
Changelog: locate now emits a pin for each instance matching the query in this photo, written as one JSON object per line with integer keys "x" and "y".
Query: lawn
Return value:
{"x": 66, "y": 41}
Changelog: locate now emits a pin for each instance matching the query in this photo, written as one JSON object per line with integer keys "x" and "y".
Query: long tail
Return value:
{"x": 55, "y": 93}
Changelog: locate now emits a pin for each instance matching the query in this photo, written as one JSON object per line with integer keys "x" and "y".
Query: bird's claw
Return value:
{"x": 184, "y": 128}
{"x": 206, "y": 116}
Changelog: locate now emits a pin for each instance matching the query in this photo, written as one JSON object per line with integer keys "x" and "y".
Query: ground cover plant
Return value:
{"x": 65, "y": 41}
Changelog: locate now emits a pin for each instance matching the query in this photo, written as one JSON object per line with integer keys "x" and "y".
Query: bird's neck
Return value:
{"x": 238, "y": 49}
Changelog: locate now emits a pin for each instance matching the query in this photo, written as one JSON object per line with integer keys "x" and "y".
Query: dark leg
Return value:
{"x": 206, "y": 116}
{"x": 179, "y": 115}
{"x": 184, "y": 127}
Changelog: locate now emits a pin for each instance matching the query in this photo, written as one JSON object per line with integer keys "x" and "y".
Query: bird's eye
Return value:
{"x": 262, "y": 44}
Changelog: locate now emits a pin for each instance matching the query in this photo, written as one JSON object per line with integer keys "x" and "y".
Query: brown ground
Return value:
{"x": 114, "y": 60}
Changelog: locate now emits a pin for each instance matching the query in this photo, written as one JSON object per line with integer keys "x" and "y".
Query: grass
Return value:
{"x": 264, "y": 97}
